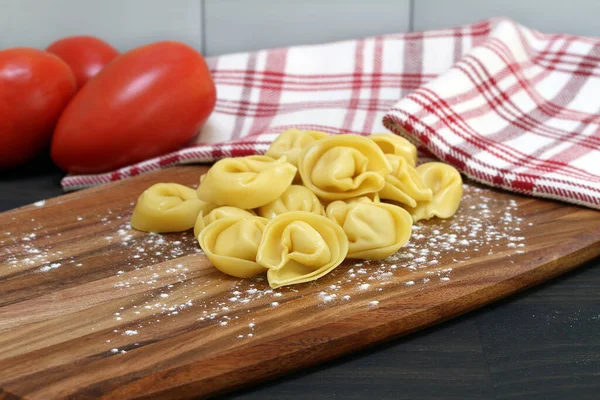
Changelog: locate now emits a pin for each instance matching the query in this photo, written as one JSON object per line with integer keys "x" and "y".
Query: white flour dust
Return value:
{"x": 483, "y": 225}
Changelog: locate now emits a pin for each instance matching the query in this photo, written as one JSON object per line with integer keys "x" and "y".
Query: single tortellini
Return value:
{"x": 167, "y": 207}
{"x": 367, "y": 198}
{"x": 231, "y": 244}
{"x": 343, "y": 166}
{"x": 404, "y": 185}
{"x": 374, "y": 230}
{"x": 246, "y": 182}
{"x": 217, "y": 213}
{"x": 291, "y": 142}
{"x": 446, "y": 184}
{"x": 299, "y": 247}
{"x": 295, "y": 198}
{"x": 396, "y": 145}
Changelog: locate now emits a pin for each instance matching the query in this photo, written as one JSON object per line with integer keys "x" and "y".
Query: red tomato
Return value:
{"x": 35, "y": 87}
{"x": 86, "y": 55}
{"x": 147, "y": 102}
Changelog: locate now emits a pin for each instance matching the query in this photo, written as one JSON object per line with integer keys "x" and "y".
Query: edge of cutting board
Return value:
{"x": 288, "y": 352}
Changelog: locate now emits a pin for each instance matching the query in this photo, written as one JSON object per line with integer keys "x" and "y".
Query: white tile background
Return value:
{"x": 224, "y": 26}
{"x": 123, "y": 23}
{"x": 577, "y": 17}
{"x": 238, "y": 25}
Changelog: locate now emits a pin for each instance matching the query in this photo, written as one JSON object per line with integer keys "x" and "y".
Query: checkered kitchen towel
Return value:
{"x": 508, "y": 106}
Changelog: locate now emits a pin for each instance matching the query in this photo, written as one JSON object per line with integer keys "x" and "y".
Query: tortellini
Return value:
{"x": 231, "y": 245}
{"x": 246, "y": 182}
{"x": 367, "y": 198}
{"x": 299, "y": 247}
{"x": 295, "y": 198}
{"x": 396, "y": 145}
{"x": 374, "y": 230}
{"x": 320, "y": 199}
{"x": 291, "y": 142}
{"x": 446, "y": 184}
{"x": 220, "y": 212}
{"x": 343, "y": 166}
{"x": 167, "y": 207}
{"x": 404, "y": 185}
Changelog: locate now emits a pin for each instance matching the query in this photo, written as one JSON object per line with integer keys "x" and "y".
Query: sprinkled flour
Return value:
{"x": 489, "y": 227}
{"x": 163, "y": 275}
{"x": 52, "y": 266}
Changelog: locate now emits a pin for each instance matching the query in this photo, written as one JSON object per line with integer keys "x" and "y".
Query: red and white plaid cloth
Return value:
{"x": 506, "y": 105}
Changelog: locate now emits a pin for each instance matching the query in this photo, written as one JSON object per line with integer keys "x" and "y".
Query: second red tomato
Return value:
{"x": 86, "y": 55}
{"x": 147, "y": 102}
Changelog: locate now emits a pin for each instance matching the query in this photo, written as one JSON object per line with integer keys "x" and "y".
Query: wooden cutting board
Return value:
{"x": 91, "y": 308}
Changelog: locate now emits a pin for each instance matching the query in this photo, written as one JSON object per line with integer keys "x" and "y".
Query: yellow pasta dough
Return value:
{"x": 343, "y": 166}
{"x": 446, "y": 184}
{"x": 302, "y": 232}
{"x": 231, "y": 244}
{"x": 295, "y": 198}
{"x": 217, "y": 213}
{"x": 396, "y": 145}
{"x": 367, "y": 198}
{"x": 404, "y": 184}
{"x": 374, "y": 230}
{"x": 167, "y": 207}
{"x": 291, "y": 142}
{"x": 246, "y": 182}
{"x": 299, "y": 247}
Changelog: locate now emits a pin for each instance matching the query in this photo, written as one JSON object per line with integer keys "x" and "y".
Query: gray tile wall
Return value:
{"x": 238, "y": 25}
{"x": 578, "y": 17}
{"x": 123, "y": 23}
{"x": 223, "y": 26}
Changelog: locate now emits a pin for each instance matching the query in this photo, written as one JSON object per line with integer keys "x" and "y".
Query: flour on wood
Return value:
{"x": 167, "y": 288}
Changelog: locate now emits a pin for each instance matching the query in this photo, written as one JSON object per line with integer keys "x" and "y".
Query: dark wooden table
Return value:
{"x": 541, "y": 344}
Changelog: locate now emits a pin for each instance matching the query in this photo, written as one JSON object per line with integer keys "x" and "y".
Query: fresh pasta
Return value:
{"x": 445, "y": 183}
{"x": 343, "y": 166}
{"x": 217, "y": 213}
{"x": 367, "y": 198}
{"x": 396, "y": 145}
{"x": 167, "y": 207}
{"x": 295, "y": 198}
{"x": 299, "y": 247}
{"x": 231, "y": 244}
{"x": 374, "y": 230}
{"x": 291, "y": 142}
{"x": 404, "y": 185}
{"x": 312, "y": 201}
{"x": 246, "y": 182}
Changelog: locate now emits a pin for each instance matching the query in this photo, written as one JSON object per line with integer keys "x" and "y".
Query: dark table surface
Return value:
{"x": 541, "y": 344}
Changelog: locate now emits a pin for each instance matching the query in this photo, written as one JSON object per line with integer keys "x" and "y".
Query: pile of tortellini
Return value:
{"x": 310, "y": 202}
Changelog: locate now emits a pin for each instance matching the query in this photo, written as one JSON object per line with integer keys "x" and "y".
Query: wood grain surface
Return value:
{"x": 90, "y": 308}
